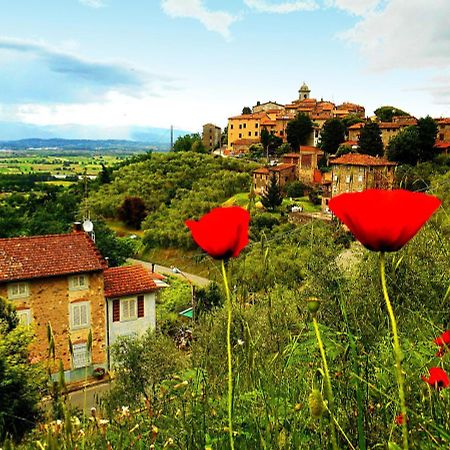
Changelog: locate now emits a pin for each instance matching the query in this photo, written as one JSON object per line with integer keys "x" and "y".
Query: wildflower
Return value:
{"x": 438, "y": 378}
{"x": 384, "y": 220}
{"x": 222, "y": 233}
{"x": 399, "y": 419}
{"x": 443, "y": 339}
{"x": 240, "y": 342}
{"x": 125, "y": 411}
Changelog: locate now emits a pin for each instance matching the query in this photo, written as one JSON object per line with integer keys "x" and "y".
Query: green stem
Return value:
{"x": 329, "y": 392}
{"x": 397, "y": 352}
{"x": 230, "y": 367}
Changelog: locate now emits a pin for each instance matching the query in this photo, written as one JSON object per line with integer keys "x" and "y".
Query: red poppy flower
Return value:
{"x": 384, "y": 220}
{"x": 443, "y": 339}
{"x": 399, "y": 419}
{"x": 221, "y": 233}
{"x": 438, "y": 378}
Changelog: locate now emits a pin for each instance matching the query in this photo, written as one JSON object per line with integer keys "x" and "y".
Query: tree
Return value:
{"x": 386, "y": 113}
{"x": 246, "y": 110}
{"x": 404, "y": 148}
{"x": 299, "y": 130}
{"x": 104, "y": 176}
{"x": 332, "y": 135}
{"x": 282, "y": 149}
{"x": 116, "y": 249}
{"x": 272, "y": 197}
{"x": 132, "y": 212}
{"x": 256, "y": 151}
{"x": 189, "y": 142}
{"x": 20, "y": 382}
{"x": 296, "y": 189}
{"x": 370, "y": 142}
{"x": 427, "y": 137}
{"x": 351, "y": 119}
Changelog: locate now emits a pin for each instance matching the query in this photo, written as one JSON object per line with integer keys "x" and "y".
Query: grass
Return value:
{"x": 304, "y": 202}
{"x": 240, "y": 199}
{"x": 121, "y": 229}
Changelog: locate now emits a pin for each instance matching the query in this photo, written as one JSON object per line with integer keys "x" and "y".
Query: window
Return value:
{"x": 360, "y": 178}
{"x": 18, "y": 290}
{"x": 24, "y": 316}
{"x": 256, "y": 133}
{"x": 441, "y": 136}
{"x": 335, "y": 178}
{"x": 347, "y": 179}
{"x": 249, "y": 133}
{"x": 256, "y": 125}
{"x": 128, "y": 309}
{"x": 240, "y": 135}
{"x": 78, "y": 283}
{"x": 81, "y": 356}
{"x": 80, "y": 315}
{"x": 231, "y": 126}
{"x": 240, "y": 126}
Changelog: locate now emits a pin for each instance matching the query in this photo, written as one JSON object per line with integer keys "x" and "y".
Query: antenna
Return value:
{"x": 171, "y": 137}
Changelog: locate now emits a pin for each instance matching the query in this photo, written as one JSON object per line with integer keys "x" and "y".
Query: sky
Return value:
{"x": 115, "y": 68}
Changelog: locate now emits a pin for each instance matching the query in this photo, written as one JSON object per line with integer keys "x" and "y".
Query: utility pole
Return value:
{"x": 171, "y": 137}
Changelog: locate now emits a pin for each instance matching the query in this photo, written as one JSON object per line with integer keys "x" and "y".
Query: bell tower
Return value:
{"x": 304, "y": 92}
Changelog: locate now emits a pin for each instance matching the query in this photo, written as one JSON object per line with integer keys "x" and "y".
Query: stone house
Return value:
{"x": 60, "y": 280}
{"x": 307, "y": 163}
{"x": 443, "y": 129}
{"x": 211, "y": 136}
{"x": 285, "y": 173}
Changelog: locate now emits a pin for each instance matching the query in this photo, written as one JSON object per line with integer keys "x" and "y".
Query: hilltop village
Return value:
{"x": 343, "y": 166}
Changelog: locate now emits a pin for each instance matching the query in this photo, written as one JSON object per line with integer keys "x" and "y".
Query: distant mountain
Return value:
{"x": 19, "y": 136}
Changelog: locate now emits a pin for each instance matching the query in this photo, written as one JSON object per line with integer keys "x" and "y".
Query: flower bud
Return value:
{"x": 316, "y": 404}
{"x": 313, "y": 304}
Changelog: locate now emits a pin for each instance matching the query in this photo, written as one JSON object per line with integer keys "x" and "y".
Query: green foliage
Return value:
{"x": 344, "y": 149}
{"x": 116, "y": 249}
{"x": 332, "y": 135}
{"x": 369, "y": 141}
{"x": 263, "y": 223}
{"x": 351, "y": 119}
{"x": 256, "y": 151}
{"x": 386, "y": 113}
{"x": 189, "y": 143}
{"x": 20, "y": 382}
{"x": 132, "y": 212}
{"x": 141, "y": 364}
{"x": 246, "y": 110}
{"x": 404, "y": 148}
{"x": 298, "y": 131}
{"x": 208, "y": 299}
{"x": 283, "y": 149}
{"x": 296, "y": 189}
{"x": 272, "y": 197}
{"x": 427, "y": 137}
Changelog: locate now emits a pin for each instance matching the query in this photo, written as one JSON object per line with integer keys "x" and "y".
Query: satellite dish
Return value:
{"x": 88, "y": 226}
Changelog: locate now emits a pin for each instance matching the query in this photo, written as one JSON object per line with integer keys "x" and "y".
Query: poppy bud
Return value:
{"x": 313, "y": 304}
{"x": 316, "y": 404}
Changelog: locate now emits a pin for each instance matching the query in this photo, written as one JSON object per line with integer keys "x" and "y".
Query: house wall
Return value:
{"x": 350, "y": 178}
{"x": 211, "y": 136}
{"x": 243, "y": 129}
{"x": 49, "y": 300}
{"x": 260, "y": 181}
{"x": 443, "y": 133}
{"x": 136, "y": 326}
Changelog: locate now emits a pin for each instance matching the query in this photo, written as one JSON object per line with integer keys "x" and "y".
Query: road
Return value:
{"x": 195, "y": 279}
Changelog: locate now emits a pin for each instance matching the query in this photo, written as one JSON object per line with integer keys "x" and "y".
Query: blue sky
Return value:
{"x": 105, "y": 68}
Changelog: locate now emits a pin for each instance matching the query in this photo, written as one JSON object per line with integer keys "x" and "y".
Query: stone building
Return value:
{"x": 60, "y": 280}
{"x": 285, "y": 173}
{"x": 307, "y": 163}
{"x": 211, "y": 136}
{"x": 443, "y": 129}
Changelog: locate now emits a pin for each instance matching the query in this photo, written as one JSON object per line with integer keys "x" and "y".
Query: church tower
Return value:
{"x": 304, "y": 92}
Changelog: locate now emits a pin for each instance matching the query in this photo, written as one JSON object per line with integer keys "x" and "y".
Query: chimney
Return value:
{"x": 77, "y": 227}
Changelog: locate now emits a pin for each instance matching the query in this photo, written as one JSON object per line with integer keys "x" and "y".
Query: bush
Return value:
{"x": 296, "y": 189}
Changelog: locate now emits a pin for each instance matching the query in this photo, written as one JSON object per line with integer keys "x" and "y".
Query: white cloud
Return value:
{"x": 283, "y": 7}
{"x": 93, "y": 3}
{"x": 217, "y": 21}
{"x": 357, "y": 7}
{"x": 404, "y": 34}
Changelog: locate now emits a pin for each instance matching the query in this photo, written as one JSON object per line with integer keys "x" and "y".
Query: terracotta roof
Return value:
{"x": 357, "y": 126}
{"x": 356, "y": 159}
{"x": 443, "y": 120}
{"x": 442, "y": 144}
{"x": 349, "y": 143}
{"x": 389, "y": 125}
{"x": 254, "y": 116}
{"x": 23, "y": 258}
{"x": 262, "y": 170}
{"x": 128, "y": 280}
{"x": 281, "y": 167}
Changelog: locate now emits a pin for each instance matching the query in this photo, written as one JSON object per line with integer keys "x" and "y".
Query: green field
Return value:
{"x": 67, "y": 165}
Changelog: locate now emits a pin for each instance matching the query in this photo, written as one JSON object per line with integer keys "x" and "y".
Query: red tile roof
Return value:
{"x": 262, "y": 170}
{"x": 349, "y": 143}
{"x": 357, "y": 126}
{"x": 356, "y": 159}
{"x": 281, "y": 167}
{"x": 443, "y": 120}
{"x": 245, "y": 142}
{"x": 23, "y": 258}
{"x": 128, "y": 280}
{"x": 442, "y": 144}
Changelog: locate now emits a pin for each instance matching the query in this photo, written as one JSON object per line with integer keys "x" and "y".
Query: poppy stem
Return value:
{"x": 329, "y": 391}
{"x": 230, "y": 367}
{"x": 397, "y": 351}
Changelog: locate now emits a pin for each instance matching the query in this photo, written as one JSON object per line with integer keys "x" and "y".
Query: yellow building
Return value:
{"x": 245, "y": 126}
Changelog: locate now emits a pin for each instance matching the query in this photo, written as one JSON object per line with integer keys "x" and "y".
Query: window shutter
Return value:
{"x": 141, "y": 312}
{"x": 116, "y": 310}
